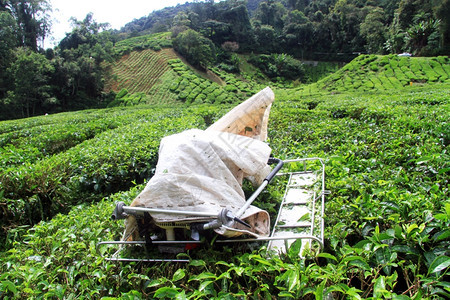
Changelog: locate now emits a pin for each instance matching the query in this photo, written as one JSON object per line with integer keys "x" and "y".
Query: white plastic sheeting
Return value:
{"x": 249, "y": 118}
{"x": 203, "y": 170}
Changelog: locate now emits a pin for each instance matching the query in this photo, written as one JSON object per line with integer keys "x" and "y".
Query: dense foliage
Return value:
{"x": 314, "y": 28}
{"x": 207, "y": 34}
{"x": 380, "y": 123}
{"x": 156, "y": 78}
{"x": 197, "y": 49}
{"x": 386, "y": 221}
{"x": 154, "y": 42}
{"x": 372, "y": 72}
{"x": 279, "y": 65}
{"x": 37, "y": 81}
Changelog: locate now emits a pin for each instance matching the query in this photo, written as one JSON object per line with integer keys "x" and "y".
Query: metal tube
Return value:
{"x": 144, "y": 242}
{"x": 146, "y": 260}
{"x": 275, "y": 238}
{"x": 262, "y": 186}
{"x": 134, "y": 209}
{"x": 275, "y": 170}
{"x": 313, "y": 213}
{"x": 251, "y": 199}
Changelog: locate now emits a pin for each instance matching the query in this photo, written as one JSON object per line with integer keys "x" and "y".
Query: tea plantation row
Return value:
{"x": 154, "y": 42}
{"x": 172, "y": 81}
{"x": 387, "y": 219}
{"x": 161, "y": 84}
{"x": 140, "y": 71}
{"x": 149, "y": 72}
{"x": 192, "y": 88}
{"x": 37, "y": 186}
{"x": 29, "y": 140}
{"x": 374, "y": 72}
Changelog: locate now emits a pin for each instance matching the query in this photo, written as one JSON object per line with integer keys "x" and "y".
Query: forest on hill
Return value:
{"x": 72, "y": 75}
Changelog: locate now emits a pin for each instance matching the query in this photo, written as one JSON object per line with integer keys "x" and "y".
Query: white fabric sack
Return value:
{"x": 203, "y": 171}
{"x": 250, "y": 118}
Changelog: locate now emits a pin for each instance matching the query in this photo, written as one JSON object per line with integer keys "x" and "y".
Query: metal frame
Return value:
{"x": 223, "y": 217}
{"x": 320, "y": 197}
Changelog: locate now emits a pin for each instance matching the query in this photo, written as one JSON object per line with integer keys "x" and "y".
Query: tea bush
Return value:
{"x": 140, "y": 72}
{"x": 279, "y": 65}
{"x": 154, "y": 42}
{"x": 36, "y": 142}
{"x": 315, "y": 72}
{"x": 387, "y": 219}
{"x": 384, "y": 73}
{"x": 97, "y": 167}
{"x": 388, "y": 160}
{"x": 193, "y": 88}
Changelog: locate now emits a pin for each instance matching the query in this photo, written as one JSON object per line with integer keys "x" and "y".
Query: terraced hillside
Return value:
{"x": 140, "y": 71}
{"x": 377, "y": 72}
{"x": 161, "y": 76}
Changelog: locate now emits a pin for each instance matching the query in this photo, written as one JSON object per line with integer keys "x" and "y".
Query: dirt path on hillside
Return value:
{"x": 207, "y": 75}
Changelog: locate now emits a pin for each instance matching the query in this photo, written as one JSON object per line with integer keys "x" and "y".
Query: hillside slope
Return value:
{"x": 158, "y": 75}
{"x": 139, "y": 71}
{"x": 146, "y": 72}
{"x": 384, "y": 72}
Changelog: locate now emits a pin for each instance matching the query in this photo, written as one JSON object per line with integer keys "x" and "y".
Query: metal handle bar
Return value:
{"x": 262, "y": 186}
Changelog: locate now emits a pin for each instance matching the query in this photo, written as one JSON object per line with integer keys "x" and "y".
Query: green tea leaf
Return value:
{"x": 361, "y": 264}
{"x": 379, "y": 290}
{"x": 327, "y": 255}
{"x": 305, "y": 217}
{"x": 166, "y": 292}
{"x": 399, "y": 297}
{"x": 204, "y": 285}
{"x": 197, "y": 263}
{"x": 293, "y": 279}
{"x": 9, "y": 286}
{"x": 203, "y": 276}
{"x": 439, "y": 264}
{"x": 442, "y": 235}
{"x": 179, "y": 274}
{"x": 285, "y": 294}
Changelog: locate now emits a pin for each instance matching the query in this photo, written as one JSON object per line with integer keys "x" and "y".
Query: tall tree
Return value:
{"x": 344, "y": 19}
{"x": 32, "y": 19}
{"x": 421, "y": 34}
{"x": 197, "y": 49}
{"x": 83, "y": 32}
{"x": 373, "y": 30}
{"x": 271, "y": 13}
{"x": 82, "y": 51}
{"x": 442, "y": 12}
{"x": 408, "y": 10}
{"x": 30, "y": 71}
{"x": 239, "y": 23}
{"x": 8, "y": 43}
{"x": 298, "y": 31}
{"x": 266, "y": 39}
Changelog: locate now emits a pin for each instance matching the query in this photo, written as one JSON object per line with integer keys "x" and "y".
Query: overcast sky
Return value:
{"x": 117, "y": 13}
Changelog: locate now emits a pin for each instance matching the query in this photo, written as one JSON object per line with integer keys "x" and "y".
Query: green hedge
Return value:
{"x": 107, "y": 163}
{"x": 368, "y": 72}
{"x": 151, "y": 41}
{"x": 387, "y": 218}
{"x": 191, "y": 86}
